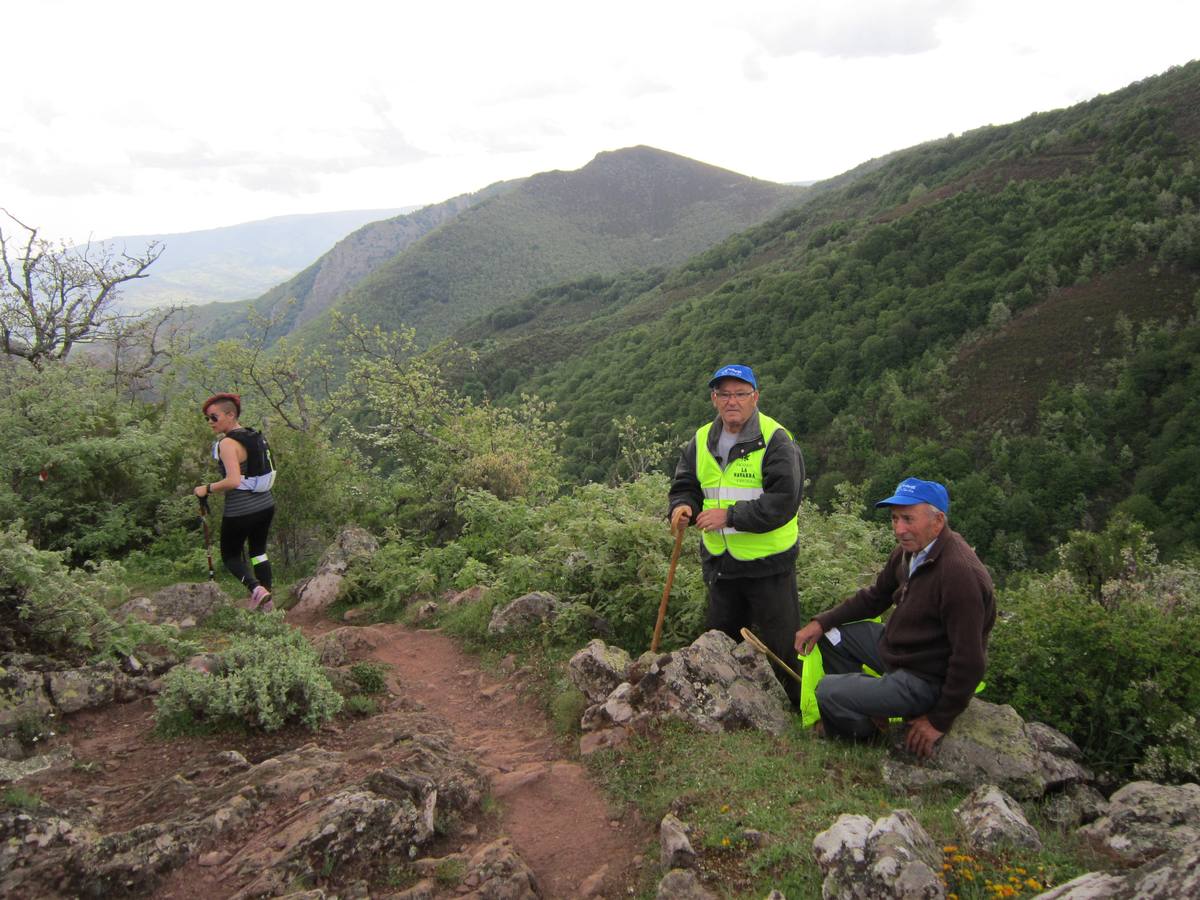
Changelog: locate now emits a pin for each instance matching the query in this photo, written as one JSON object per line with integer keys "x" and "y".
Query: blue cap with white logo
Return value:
{"x": 745, "y": 373}
{"x": 912, "y": 491}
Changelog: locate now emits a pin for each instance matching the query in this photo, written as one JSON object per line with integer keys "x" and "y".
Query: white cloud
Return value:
{"x": 155, "y": 117}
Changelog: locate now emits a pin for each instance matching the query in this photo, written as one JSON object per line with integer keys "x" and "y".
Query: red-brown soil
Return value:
{"x": 559, "y": 822}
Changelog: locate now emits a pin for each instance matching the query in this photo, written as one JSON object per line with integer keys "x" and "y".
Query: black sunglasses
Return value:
{"x": 212, "y": 417}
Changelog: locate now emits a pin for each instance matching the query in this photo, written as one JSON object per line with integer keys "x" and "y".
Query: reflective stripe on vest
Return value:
{"x": 741, "y": 480}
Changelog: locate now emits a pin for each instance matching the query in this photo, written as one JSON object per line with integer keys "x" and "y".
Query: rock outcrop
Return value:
{"x": 314, "y": 816}
{"x": 716, "y": 684}
{"x": 317, "y": 593}
{"x": 991, "y": 819}
{"x": 1145, "y": 820}
{"x": 991, "y": 744}
{"x": 183, "y": 605}
{"x": 1174, "y": 875}
{"x": 37, "y": 691}
{"x": 525, "y": 613}
{"x": 890, "y": 857}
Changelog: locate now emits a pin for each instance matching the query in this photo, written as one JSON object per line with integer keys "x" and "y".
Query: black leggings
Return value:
{"x": 235, "y": 532}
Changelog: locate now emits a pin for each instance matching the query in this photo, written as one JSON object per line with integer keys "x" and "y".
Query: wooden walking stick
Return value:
{"x": 753, "y": 640}
{"x": 212, "y": 575}
{"x": 662, "y": 607}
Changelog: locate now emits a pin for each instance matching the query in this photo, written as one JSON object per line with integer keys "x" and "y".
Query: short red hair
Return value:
{"x": 235, "y": 399}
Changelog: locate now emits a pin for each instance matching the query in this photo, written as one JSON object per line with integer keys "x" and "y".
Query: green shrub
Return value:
{"x": 361, "y": 705}
{"x": 53, "y": 607}
{"x": 566, "y": 709}
{"x": 16, "y": 798}
{"x": 1120, "y": 678}
{"x": 263, "y": 682}
{"x": 370, "y": 677}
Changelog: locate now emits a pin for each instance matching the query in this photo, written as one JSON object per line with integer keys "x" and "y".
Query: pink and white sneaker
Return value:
{"x": 260, "y": 599}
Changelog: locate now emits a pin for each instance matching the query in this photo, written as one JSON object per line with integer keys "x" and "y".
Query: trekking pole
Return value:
{"x": 212, "y": 575}
{"x": 754, "y": 642}
{"x": 662, "y": 607}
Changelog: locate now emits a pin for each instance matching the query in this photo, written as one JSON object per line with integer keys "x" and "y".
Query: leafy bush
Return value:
{"x": 1120, "y": 677}
{"x": 362, "y": 705}
{"x": 83, "y": 467}
{"x": 51, "y": 606}
{"x": 369, "y": 676}
{"x": 267, "y": 677}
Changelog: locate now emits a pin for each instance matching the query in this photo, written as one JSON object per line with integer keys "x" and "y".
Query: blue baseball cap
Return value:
{"x": 745, "y": 373}
{"x": 912, "y": 491}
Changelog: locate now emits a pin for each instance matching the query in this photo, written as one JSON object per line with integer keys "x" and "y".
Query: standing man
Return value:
{"x": 933, "y": 650}
{"x": 244, "y": 461}
{"x": 740, "y": 480}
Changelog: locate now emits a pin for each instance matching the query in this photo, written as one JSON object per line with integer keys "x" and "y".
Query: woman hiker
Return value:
{"x": 244, "y": 460}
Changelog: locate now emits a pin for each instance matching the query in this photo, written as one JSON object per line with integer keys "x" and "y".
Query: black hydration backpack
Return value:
{"x": 260, "y": 468}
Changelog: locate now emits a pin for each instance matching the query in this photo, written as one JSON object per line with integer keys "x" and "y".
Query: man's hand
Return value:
{"x": 713, "y": 519}
{"x": 680, "y": 516}
{"x": 922, "y": 737}
{"x": 807, "y": 637}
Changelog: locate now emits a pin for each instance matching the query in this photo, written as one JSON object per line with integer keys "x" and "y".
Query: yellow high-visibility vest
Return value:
{"x": 742, "y": 479}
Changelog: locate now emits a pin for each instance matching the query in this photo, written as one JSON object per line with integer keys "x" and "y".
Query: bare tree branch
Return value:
{"x": 54, "y": 297}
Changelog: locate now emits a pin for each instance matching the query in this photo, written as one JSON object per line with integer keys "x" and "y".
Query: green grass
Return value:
{"x": 16, "y": 798}
{"x": 790, "y": 788}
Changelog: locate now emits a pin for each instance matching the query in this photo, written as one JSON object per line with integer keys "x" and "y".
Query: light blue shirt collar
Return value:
{"x": 919, "y": 557}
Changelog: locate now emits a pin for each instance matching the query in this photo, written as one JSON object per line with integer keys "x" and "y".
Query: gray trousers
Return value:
{"x": 849, "y": 699}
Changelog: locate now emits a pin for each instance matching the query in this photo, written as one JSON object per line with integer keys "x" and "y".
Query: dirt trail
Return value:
{"x": 557, "y": 819}
{"x": 559, "y": 822}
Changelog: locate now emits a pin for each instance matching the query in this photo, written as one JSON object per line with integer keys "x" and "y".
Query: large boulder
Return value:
{"x": 34, "y": 690}
{"x": 23, "y": 697}
{"x": 991, "y": 744}
{"x": 182, "y": 605}
{"x": 1174, "y": 875}
{"x": 90, "y": 687}
{"x": 891, "y": 857}
{"x": 497, "y": 872}
{"x": 524, "y": 613}
{"x": 715, "y": 684}
{"x": 675, "y": 847}
{"x": 317, "y": 593}
{"x": 344, "y": 645}
{"x": 1145, "y": 820}
{"x": 597, "y": 669}
{"x": 682, "y": 884}
{"x": 991, "y": 819}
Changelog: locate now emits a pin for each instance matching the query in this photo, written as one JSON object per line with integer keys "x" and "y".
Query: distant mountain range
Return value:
{"x": 628, "y": 209}
{"x": 236, "y": 262}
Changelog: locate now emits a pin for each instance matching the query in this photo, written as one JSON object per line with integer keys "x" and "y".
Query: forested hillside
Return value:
{"x": 626, "y": 209}
{"x": 1012, "y": 310}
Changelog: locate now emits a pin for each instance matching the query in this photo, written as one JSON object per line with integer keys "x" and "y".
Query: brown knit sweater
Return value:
{"x": 940, "y": 625}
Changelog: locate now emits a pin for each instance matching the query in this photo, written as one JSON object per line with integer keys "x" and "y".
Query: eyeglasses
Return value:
{"x": 739, "y": 396}
{"x": 212, "y": 417}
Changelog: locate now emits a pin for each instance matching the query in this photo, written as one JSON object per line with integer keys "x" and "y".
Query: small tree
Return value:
{"x": 53, "y": 297}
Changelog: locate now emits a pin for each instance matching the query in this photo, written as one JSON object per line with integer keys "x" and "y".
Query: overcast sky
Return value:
{"x": 140, "y": 117}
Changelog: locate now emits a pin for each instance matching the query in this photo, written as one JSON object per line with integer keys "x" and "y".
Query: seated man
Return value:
{"x": 933, "y": 649}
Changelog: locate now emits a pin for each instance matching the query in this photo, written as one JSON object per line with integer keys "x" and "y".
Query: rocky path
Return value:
{"x": 153, "y": 792}
{"x": 559, "y": 822}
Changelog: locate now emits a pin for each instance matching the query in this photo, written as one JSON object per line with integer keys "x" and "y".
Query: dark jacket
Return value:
{"x": 783, "y": 488}
{"x": 940, "y": 625}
